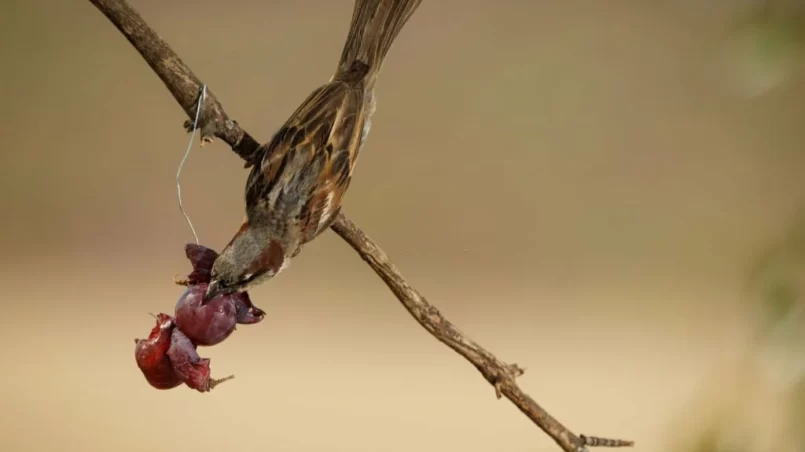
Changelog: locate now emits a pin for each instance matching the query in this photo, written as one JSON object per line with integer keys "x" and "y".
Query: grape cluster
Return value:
{"x": 169, "y": 356}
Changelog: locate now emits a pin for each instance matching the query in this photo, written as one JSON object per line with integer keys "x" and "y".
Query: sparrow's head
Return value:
{"x": 248, "y": 260}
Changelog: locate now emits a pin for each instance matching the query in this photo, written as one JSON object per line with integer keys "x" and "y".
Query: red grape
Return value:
{"x": 213, "y": 322}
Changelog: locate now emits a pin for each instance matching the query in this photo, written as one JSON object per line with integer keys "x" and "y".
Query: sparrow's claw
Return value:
{"x": 181, "y": 281}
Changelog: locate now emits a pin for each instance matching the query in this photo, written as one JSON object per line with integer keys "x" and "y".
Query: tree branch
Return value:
{"x": 214, "y": 122}
{"x": 179, "y": 79}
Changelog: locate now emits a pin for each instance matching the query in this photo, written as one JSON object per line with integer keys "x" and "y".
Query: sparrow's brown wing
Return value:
{"x": 307, "y": 166}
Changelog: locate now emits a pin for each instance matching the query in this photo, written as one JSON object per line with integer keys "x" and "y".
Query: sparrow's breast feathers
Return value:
{"x": 297, "y": 186}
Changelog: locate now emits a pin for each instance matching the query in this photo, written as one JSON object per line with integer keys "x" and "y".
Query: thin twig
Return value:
{"x": 214, "y": 122}
{"x": 499, "y": 374}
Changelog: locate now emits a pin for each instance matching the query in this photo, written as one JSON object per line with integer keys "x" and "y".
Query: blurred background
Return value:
{"x": 609, "y": 194}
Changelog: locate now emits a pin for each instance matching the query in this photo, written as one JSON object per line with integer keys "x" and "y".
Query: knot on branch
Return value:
{"x": 507, "y": 374}
{"x": 434, "y": 315}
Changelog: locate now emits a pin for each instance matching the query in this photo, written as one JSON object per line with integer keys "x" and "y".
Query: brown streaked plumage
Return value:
{"x": 297, "y": 184}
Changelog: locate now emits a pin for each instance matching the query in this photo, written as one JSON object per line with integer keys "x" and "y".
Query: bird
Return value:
{"x": 298, "y": 180}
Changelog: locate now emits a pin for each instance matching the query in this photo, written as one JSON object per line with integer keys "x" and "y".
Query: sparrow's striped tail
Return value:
{"x": 374, "y": 27}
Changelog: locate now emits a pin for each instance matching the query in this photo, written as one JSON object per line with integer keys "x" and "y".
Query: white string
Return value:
{"x": 186, "y": 154}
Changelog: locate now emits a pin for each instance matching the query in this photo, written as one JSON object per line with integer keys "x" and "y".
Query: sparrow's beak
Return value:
{"x": 213, "y": 290}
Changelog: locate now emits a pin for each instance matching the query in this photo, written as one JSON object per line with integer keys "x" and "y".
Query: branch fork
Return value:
{"x": 213, "y": 123}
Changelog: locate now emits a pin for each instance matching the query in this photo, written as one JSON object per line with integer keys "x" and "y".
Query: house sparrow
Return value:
{"x": 297, "y": 182}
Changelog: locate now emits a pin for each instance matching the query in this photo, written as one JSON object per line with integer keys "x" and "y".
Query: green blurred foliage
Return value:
{"x": 757, "y": 404}
{"x": 776, "y": 282}
{"x": 765, "y": 47}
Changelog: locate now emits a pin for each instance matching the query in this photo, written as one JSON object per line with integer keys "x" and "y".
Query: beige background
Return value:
{"x": 571, "y": 183}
